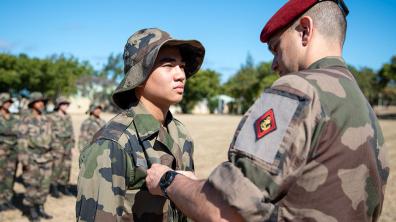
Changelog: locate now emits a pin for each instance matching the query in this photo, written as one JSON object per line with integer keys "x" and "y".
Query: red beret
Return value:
{"x": 284, "y": 16}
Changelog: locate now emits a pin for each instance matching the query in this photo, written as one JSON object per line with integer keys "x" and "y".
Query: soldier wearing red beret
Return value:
{"x": 309, "y": 149}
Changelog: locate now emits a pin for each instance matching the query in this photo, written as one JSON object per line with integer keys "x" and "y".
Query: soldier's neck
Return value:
{"x": 36, "y": 113}
{"x": 95, "y": 116}
{"x": 61, "y": 112}
{"x": 157, "y": 110}
{"x": 5, "y": 113}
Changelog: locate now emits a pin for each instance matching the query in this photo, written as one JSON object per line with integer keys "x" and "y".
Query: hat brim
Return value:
{"x": 192, "y": 52}
{"x": 8, "y": 100}
{"x": 57, "y": 106}
{"x": 30, "y": 105}
{"x": 91, "y": 110}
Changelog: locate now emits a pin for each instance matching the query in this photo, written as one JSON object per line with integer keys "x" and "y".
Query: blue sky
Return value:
{"x": 92, "y": 29}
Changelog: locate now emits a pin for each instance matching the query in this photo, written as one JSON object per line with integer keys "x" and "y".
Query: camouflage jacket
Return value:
{"x": 111, "y": 183}
{"x": 309, "y": 149}
{"x": 88, "y": 129}
{"x": 8, "y": 129}
{"x": 62, "y": 129}
{"x": 35, "y": 137}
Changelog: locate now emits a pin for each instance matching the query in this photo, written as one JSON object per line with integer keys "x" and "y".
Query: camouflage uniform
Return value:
{"x": 63, "y": 144}
{"x": 309, "y": 149}
{"x": 116, "y": 163}
{"x": 111, "y": 184}
{"x": 8, "y": 152}
{"x": 34, "y": 140}
{"x": 88, "y": 129}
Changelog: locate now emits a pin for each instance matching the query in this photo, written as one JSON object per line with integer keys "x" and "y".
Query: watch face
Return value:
{"x": 168, "y": 176}
{"x": 167, "y": 179}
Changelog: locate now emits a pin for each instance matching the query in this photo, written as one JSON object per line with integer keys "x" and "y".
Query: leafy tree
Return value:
{"x": 244, "y": 87}
{"x": 389, "y": 95}
{"x": 266, "y": 75}
{"x": 8, "y": 75}
{"x": 387, "y": 73}
{"x": 248, "y": 83}
{"x": 53, "y": 76}
{"x": 213, "y": 103}
{"x": 114, "y": 68}
{"x": 367, "y": 80}
{"x": 203, "y": 85}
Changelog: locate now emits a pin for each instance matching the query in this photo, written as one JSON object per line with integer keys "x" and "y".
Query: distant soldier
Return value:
{"x": 91, "y": 125}
{"x": 34, "y": 140}
{"x": 62, "y": 147}
{"x": 8, "y": 151}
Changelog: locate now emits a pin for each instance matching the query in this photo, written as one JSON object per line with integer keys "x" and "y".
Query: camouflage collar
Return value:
{"x": 328, "y": 62}
{"x": 145, "y": 123}
{"x": 94, "y": 118}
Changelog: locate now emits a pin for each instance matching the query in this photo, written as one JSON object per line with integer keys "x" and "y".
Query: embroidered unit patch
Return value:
{"x": 265, "y": 124}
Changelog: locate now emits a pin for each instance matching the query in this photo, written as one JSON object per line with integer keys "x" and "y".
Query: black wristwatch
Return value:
{"x": 166, "y": 180}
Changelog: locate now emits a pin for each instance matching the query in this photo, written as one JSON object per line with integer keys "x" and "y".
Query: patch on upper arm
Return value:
{"x": 265, "y": 124}
{"x": 264, "y": 129}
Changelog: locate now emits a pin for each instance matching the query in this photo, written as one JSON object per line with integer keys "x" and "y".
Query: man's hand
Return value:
{"x": 153, "y": 177}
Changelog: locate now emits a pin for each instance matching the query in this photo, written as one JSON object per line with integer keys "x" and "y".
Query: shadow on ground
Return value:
{"x": 17, "y": 199}
{"x": 390, "y": 116}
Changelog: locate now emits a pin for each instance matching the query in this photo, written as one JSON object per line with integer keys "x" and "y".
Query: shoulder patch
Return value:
{"x": 261, "y": 135}
{"x": 265, "y": 124}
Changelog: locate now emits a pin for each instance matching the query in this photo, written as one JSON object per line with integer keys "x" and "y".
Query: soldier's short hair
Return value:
{"x": 329, "y": 20}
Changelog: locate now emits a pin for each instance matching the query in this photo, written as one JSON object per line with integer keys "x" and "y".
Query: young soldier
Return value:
{"x": 34, "y": 140}
{"x": 309, "y": 149}
{"x": 8, "y": 151}
{"x": 111, "y": 181}
{"x": 91, "y": 125}
{"x": 62, "y": 147}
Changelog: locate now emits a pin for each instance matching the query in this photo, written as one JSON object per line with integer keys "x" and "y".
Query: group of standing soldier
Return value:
{"x": 42, "y": 143}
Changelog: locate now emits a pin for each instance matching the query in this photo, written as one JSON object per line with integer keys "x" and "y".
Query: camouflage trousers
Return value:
{"x": 37, "y": 178}
{"x": 8, "y": 163}
{"x": 62, "y": 164}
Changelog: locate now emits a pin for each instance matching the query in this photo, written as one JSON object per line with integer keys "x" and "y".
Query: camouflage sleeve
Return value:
{"x": 56, "y": 144}
{"x": 101, "y": 182}
{"x": 6, "y": 130}
{"x": 15, "y": 126}
{"x": 187, "y": 146}
{"x": 191, "y": 154}
{"x": 23, "y": 139}
{"x": 83, "y": 137}
{"x": 269, "y": 149}
{"x": 73, "y": 139}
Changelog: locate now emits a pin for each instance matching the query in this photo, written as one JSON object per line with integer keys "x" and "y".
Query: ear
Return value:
{"x": 306, "y": 28}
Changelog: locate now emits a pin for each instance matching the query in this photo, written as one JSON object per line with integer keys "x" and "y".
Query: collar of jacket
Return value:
{"x": 328, "y": 62}
{"x": 94, "y": 118}
{"x": 145, "y": 123}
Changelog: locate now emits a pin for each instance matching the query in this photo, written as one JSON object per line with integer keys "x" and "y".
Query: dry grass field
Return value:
{"x": 212, "y": 135}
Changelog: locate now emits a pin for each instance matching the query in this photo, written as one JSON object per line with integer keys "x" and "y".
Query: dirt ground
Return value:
{"x": 212, "y": 134}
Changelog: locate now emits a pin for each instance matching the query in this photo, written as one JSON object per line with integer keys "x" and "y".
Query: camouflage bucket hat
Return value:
{"x": 5, "y": 97}
{"x": 93, "y": 106}
{"x": 35, "y": 97}
{"x": 61, "y": 100}
{"x": 140, "y": 53}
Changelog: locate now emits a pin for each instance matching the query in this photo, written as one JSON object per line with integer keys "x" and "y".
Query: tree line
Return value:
{"x": 60, "y": 75}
